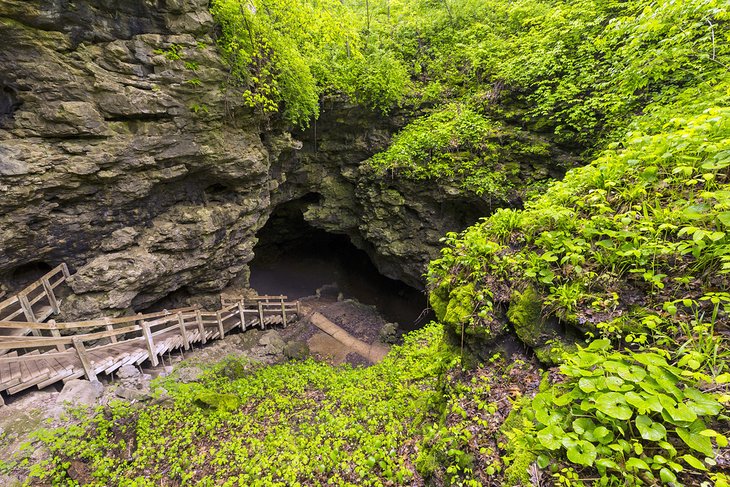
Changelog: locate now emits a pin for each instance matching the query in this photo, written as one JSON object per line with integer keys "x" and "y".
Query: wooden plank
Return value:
{"x": 150, "y": 343}
{"x": 201, "y": 327}
{"x": 243, "y": 315}
{"x": 14, "y": 367}
{"x": 56, "y": 334}
{"x": 27, "y": 310}
{"x": 221, "y": 331}
{"x": 183, "y": 331}
{"x": 85, "y": 363}
{"x": 4, "y": 372}
{"x": 77, "y": 374}
{"x": 110, "y": 327}
{"x": 283, "y": 312}
{"x": 55, "y": 378}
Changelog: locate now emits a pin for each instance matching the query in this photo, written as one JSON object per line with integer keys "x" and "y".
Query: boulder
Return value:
{"x": 296, "y": 350}
{"x": 80, "y": 392}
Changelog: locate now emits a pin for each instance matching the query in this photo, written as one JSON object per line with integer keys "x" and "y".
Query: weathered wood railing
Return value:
{"x": 36, "y": 302}
{"x": 64, "y": 351}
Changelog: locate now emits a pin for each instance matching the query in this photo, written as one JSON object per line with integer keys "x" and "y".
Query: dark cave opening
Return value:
{"x": 296, "y": 259}
{"x": 26, "y": 274}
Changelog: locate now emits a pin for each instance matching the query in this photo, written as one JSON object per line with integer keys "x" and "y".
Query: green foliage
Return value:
{"x": 611, "y": 247}
{"x": 303, "y": 423}
{"x": 285, "y": 54}
{"x": 630, "y": 417}
{"x": 454, "y": 144}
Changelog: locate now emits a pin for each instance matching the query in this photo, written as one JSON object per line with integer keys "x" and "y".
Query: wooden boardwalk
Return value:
{"x": 64, "y": 351}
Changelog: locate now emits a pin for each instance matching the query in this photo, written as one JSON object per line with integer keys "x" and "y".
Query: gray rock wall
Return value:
{"x": 397, "y": 222}
{"x": 120, "y": 151}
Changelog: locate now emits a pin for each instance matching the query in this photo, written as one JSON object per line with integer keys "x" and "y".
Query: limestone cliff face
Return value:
{"x": 120, "y": 152}
{"x": 123, "y": 155}
{"x": 397, "y": 222}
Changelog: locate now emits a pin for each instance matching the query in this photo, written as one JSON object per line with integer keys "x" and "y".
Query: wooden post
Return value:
{"x": 57, "y": 334}
{"x": 183, "y": 331}
{"x": 28, "y": 312}
{"x": 220, "y": 324}
{"x": 81, "y": 352}
{"x": 150, "y": 343}
{"x": 51, "y": 296}
{"x": 201, "y": 327}
{"x": 261, "y": 314}
{"x": 27, "y": 308}
{"x": 242, "y": 315}
{"x": 299, "y": 310}
{"x": 109, "y": 327}
{"x": 283, "y": 312}
{"x": 64, "y": 270}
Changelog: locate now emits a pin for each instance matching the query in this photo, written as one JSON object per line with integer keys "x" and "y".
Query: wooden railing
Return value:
{"x": 37, "y": 301}
{"x": 63, "y": 351}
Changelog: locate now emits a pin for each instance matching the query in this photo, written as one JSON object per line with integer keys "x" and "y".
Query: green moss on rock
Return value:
{"x": 460, "y": 306}
{"x": 525, "y": 313}
{"x": 220, "y": 402}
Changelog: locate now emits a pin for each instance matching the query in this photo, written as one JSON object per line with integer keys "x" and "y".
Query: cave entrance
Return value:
{"x": 296, "y": 259}
{"x": 26, "y": 274}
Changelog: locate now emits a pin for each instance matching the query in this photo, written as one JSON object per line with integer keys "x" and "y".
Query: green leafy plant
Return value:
{"x": 630, "y": 417}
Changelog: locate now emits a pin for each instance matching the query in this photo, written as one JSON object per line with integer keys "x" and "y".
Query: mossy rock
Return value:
{"x": 455, "y": 308}
{"x": 460, "y": 306}
{"x": 439, "y": 300}
{"x": 525, "y": 314}
{"x": 219, "y": 402}
{"x": 552, "y": 353}
{"x": 543, "y": 334}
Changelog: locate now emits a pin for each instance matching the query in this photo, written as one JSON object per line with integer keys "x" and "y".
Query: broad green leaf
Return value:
{"x": 693, "y": 462}
{"x": 603, "y": 435}
{"x": 680, "y": 414}
{"x": 667, "y": 476}
{"x": 702, "y": 404}
{"x": 650, "y": 430}
{"x": 696, "y": 441}
{"x": 600, "y": 344}
{"x": 582, "y": 452}
{"x": 634, "y": 463}
{"x": 616, "y": 384}
{"x": 587, "y": 385}
{"x": 604, "y": 463}
{"x": 613, "y": 404}
{"x": 551, "y": 437}
{"x": 581, "y": 425}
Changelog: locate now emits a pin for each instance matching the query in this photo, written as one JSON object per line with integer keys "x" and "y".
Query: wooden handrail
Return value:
{"x": 35, "y": 284}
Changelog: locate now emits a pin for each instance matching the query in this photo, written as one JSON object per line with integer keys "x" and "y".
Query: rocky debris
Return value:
{"x": 128, "y": 372}
{"x": 272, "y": 343}
{"x": 296, "y": 350}
{"x": 189, "y": 374}
{"x": 132, "y": 394}
{"x": 80, "y": 392}
{"x": 389, "y": 333}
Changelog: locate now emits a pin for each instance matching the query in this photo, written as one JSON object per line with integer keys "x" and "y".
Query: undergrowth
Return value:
{"x": 295, "y": 424}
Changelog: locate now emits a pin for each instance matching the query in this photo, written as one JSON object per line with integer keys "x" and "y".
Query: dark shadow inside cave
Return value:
{"x": 295, "y": 259}
{"x": 26, "y": 274}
